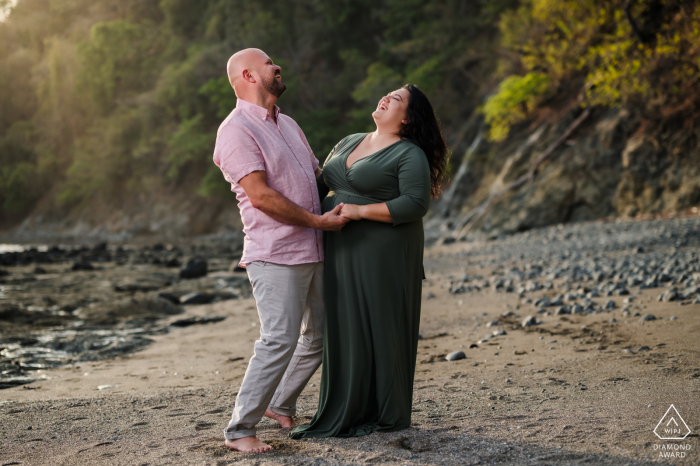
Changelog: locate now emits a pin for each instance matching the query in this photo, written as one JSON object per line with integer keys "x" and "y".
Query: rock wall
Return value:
{"x": 615, "y": 164}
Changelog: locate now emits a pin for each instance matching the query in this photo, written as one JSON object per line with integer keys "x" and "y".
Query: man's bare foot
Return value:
{"x": 285, "y": 421}
{"x": 247, "y": 445}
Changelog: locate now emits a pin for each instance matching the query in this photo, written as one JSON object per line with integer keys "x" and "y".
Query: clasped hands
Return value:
{"x": 341, "y": 214}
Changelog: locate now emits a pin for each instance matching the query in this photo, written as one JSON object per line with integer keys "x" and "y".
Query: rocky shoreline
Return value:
{"x": 66, "y": 305}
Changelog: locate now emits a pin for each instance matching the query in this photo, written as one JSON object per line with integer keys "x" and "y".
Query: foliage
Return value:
{"x": 516, "y": 97}
{"x": 99, "y": 98}
{"x": 592, "y": 44}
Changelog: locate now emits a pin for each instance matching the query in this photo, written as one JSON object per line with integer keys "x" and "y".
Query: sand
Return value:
{"x": 575, "y": 389}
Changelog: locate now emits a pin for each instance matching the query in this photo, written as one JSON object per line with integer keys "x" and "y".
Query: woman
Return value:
{"x": 374, "y": 267}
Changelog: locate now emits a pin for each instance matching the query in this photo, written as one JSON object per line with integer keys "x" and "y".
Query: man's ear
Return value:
{"x": 248, "y": 76}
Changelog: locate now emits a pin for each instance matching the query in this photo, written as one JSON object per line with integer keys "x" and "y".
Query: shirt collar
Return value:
{"x": 256, "y": 110}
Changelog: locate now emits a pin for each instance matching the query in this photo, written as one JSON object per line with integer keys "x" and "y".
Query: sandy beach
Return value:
{"x": 575, "y": 387}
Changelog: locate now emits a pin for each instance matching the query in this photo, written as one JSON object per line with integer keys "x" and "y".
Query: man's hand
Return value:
{"x": 331, "y": 221}
{"x": 272, "y": 203}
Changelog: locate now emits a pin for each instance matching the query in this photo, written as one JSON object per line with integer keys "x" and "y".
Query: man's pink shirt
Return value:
{"x": 249, "y": 140}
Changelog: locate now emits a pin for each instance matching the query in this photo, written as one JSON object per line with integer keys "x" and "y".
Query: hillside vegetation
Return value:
{"x": 102, "y": 100}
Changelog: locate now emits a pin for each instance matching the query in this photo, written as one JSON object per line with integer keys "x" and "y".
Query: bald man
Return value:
{"x": 271, "y": 168}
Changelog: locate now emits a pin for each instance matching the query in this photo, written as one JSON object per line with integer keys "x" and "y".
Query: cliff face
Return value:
{"x": 614, "y": 164}
{"x": 164, "y": 215}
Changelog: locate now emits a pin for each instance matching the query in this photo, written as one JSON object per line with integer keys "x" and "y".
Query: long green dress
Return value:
{"x": 373, "y": 278}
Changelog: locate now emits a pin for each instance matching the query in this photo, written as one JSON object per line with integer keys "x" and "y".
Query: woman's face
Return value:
{"x": 391, "y": 109}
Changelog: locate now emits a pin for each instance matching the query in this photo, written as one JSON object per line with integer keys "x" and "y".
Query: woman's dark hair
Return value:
{"x": 423, "y": 129}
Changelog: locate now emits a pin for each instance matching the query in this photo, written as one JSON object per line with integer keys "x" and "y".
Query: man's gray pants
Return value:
{"x": 290, "y": 348}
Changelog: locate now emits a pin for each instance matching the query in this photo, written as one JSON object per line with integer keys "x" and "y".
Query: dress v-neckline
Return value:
{"x": 347, "y": 156}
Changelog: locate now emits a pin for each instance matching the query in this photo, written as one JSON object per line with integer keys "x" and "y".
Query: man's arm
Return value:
{"x": 272, "y": 203}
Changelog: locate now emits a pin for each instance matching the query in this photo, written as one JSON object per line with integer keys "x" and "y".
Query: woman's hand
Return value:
{"x": 351, "y": 212}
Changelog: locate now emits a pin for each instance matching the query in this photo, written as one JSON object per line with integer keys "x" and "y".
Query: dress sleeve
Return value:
{"x": 323, "y": 188}
{"x": 414, "y": 187}
{"x": 237, "y": 154}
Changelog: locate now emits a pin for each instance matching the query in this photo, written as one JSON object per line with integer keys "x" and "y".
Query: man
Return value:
{"x": 271, "y": 168}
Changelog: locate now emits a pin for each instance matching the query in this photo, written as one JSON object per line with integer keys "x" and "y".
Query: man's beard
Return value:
{"x": 274, "y": 86}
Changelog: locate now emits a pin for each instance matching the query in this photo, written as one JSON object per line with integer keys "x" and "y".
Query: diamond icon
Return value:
{"x": 672, "y": 426}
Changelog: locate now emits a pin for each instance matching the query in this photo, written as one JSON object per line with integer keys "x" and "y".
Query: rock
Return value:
{"x": 492, "y": 323}
{"x": 628, "y": 300}
{"x": 455, "y": 356}
{"x": 613, "y": 320}
{"x": 669, "y": 295}
{"x": 639, "y": 250}
{"x": 557, "y": 301}
{"x": 173, "y": 262}
{"x": 430, "y": 296}
{"x": 508, "y": 314}
{"x": 570, "y": 297}
{"x": 532, "y": 286}
{"x": 37, "y": 271}
{"x": 529, "y": 321}
{"x": 143, "y": 284}
{"x": 169, "y": 297}
{"x": 643, "y": 348}
{"x": 690, "y": 292}
{"x": 672, "y": 318}
{"x": 696, "y": 300}
{"x": 593, "y": 294}
{"x": 197, "y": 298}
{"x": 647, "y": 317}
{"x": 195, "y": 268}
{"x": 198, "y": 321}
{"x": 621, "y": 292}
{"x": 542, "y": 302}
{"x": 576, "y": 309}
{"x": 610, "y": 305}
{"x": 498, "y": 333}
{"x": 561, "y": 310}
{"x": 82, "y": 266}
{"x": 473, "y": 345}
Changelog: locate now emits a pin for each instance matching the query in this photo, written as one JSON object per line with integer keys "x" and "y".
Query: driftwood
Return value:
{"x": 476, "y": 214}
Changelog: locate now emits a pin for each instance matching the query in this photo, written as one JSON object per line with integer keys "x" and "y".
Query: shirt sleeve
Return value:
{"x": 237, "y": 154}
{"x": 414, "y": 187}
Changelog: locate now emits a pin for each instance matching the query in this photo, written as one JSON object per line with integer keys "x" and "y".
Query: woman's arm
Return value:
{"x": 376, "y": 212}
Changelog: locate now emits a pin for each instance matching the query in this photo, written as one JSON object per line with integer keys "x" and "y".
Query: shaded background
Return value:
{"x": 109, "y": 109}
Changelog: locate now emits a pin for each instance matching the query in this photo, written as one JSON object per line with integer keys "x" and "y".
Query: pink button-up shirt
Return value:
{"x": 249, "y": 140}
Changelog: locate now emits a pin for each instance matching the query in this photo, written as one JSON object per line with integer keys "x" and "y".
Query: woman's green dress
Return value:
{"x": 373, "y": 278}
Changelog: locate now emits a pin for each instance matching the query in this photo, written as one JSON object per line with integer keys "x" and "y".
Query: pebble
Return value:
{"x": 529, "y": 321}
{"x": 647, "y": 317}
{"x": 195, "y": 268}
{"x": 613, "y": 320}
{"x": 610, "y": 305}
{"x": 669, "y": 295}
{"x": 492, "y": 323}
{"x": 197, "y": 298}
{"x": 455, "y": 356}
{"x": 672, "y": 318}
{"x": 643, "y": 348}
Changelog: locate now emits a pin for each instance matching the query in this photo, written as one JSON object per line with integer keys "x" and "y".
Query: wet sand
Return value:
{"x": 572, "y": 389}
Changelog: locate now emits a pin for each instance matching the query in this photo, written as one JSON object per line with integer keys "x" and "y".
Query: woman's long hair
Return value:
{"x": 423, "y": 129}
